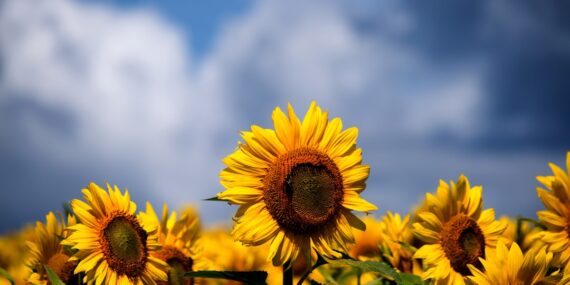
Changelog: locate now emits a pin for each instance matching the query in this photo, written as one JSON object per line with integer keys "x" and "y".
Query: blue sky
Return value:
{"x": 199, "y": 21}
{"x": 151, "y": 95}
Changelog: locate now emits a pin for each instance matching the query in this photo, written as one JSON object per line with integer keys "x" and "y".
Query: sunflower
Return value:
{"x": 367, "y": 243}
{"x": 556, "y": 217}
{"x": 180, "y": 240}
{"x": 46, "y": 250}
{"x": 509, "y": 266}
{"x": 14, "y": 253}
{"x": 113, "y": 245}
{"x": 235, "y": 256}
{"x": 456, "y": 231}
{"x": 296, "y": 186}
{"x": 522, "y": 231}
{"x": 397, "y": 238}
{"x": 383, "y": 241}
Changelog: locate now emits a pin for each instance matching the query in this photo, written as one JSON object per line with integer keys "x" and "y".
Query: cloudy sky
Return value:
{"x": 151, "y": 95}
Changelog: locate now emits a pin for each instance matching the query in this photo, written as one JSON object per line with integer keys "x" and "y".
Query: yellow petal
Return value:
{"x": 241, "y": 195}
{"x": 353, "y": 201}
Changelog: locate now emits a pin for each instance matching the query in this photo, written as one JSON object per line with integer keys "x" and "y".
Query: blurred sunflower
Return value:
{"x": 556, "y": 217}
{"x": 113, "y": 245}
{"x": 387, "y": 239}
{"x": 397, "y": 238}
{"x": 383, "y": 241}
{"x": 456, "y": 231}
{"x": 526, "y": 233}
{"x": 296, "y": 186}
{"x": 180, "y": 240}
{"x": 509, "y": 266}
{"x": 235, "y": 256}
{"x": 367, "y": 243}
{"x": 45, "y": 249}
{"x": 14, "y": 252}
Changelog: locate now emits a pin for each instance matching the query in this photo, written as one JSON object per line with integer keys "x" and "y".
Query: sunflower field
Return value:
{"x": 299, "y": 219}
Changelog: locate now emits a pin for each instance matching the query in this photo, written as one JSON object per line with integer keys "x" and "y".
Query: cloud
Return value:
{"x": 421, "y": 116}
{"x": 99, "y": 94}
{"x": 91, "y": 92}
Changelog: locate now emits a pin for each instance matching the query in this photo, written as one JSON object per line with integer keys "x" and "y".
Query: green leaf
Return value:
{"x": 6, "y": 275}
{"x": 384, "y": 269}
{"x": 411, "y": 279}
{"x": 52, "y": 277}
{"x": 215, "y": 198}
{"x": 69, "y": 250}
{"x": 67, "y": 209}
{"x": 247, "y": 277}
{"x": 370, "y": 266}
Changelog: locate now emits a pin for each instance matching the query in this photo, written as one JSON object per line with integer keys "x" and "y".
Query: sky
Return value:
{"x": 151, "y": 95}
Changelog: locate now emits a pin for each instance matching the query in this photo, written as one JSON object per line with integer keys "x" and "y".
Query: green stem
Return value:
{"x": 287, "y": 273}
{"x": 535, "y": 223}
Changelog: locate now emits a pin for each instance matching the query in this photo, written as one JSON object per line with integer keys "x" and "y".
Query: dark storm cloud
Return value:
{"x": 526, "y": 49}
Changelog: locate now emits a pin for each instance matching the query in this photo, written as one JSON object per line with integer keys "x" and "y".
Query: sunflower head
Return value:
{"x": 296, "y": 186}
{"x": 303, "y": 190}
{"x": 528, "y": 234}
{"x": 112, "y": 243}
{"x": 180, "y": 240}
{"x": 46, "y": 250}
{"x": 396, "y": 232}
{"x": 510, "y": 266}
{"x": 556, "y": 217}
{"x": 456, "y": 231}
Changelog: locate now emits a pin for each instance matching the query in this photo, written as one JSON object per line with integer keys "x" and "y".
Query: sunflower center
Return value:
{"x": 61, "y": 265}
{"x": 178, "y": 264}
{"x": 463, "y": 243}
{"x": 303, "y": 190}
{"x": 310, "y": 188}
{"x": 123, "y": 241}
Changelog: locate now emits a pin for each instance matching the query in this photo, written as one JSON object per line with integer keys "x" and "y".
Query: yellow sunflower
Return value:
{"x": 509, "y": 266}
{"x": 45, "y": 249}
{"x": 383, "y": 240}
{"x": 224, "y": 253}
{"x": 14, "y": 253}
{"x": 456, "y": 231}
{"x": 113, "y": 245}
{"x": 556, "y": 217}
{"x": 528, "y": 234}
{"x": 367, "y": 243}
{"x": 296, "y": 186}
{"x": 397, "y": 238}
{"x": 180, "y": 240}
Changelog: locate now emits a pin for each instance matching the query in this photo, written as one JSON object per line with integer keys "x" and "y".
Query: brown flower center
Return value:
{"x": 178, "y": 264}
{"x": 123, "y": 242}
{"x": 463, "y": 243}
{"x": 303, "y": 190}
{"x": 61, "y": 266}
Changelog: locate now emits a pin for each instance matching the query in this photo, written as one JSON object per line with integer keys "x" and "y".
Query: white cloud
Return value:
{"x": 281, "y": 53}
{"x": 122, "y": 80}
